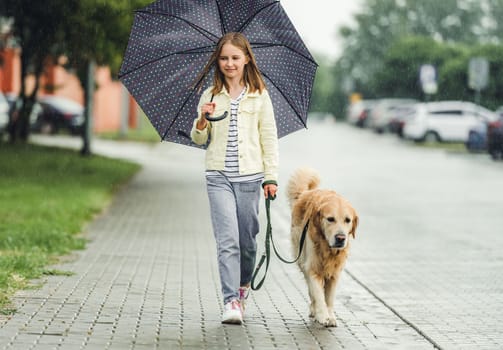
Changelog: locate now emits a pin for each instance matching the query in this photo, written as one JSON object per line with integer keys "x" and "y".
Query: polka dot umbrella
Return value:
{"x": 172, "y": 40}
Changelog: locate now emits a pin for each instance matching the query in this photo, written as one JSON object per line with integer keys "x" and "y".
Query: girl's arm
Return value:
{"x": 201, "y": 127}
{"x": 268, "y": 140}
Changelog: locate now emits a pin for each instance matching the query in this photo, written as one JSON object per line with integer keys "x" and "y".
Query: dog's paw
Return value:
{"x": 331, "y": 322}
{"x": 311, "y": 311}
{"x": 331, "y": 317}
{"x": 326, "y": 320}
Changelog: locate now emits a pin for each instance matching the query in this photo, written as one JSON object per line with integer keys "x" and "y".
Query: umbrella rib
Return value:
{"x": 203, "y": 31}
{"x": 243, "y": 27}
{"x": 255, "y": 14}
{"x": 201, "y": 49}
{"x": 174, "y": 119}
{"x": 222, "y": 26}
{"x": 286, "y": 98}
{"x": 265, "y": 45}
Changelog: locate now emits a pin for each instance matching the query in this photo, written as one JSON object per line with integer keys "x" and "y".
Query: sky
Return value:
{"x": 317, "y": 22}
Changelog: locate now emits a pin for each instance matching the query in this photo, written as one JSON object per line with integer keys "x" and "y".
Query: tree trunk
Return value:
{"x": 87, "y": 81}
{"x": 19, "y": 121}
{"x": 28, "y": 103}
{"x": 16, "y": 117}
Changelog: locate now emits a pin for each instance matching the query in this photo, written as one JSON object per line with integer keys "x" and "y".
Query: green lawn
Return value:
{"x": 145, "y": 132}
{"x": 458, "y": 147}
{"x": 46, "y": 197}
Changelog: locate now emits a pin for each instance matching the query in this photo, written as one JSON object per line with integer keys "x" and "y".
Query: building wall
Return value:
{"x": 9, "y": 70}
{"x": 56, "y": 80}
{"x": 107, "y": 116}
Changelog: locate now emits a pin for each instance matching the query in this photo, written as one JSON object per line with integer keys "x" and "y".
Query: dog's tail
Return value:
{"x": 302, "y": 180}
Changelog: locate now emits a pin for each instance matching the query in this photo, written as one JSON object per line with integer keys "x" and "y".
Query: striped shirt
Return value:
{"x": 231, "y": 169}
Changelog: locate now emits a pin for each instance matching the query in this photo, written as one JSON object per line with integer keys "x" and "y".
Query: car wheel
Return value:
{"x": 474, "y": 142}
{"x": 46, "y": 128}
{"x": 496, "y": 154}
{"x": 431, "y": 137}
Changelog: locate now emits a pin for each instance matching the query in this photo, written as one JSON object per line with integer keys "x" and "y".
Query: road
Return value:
{"x": 430, "y": 241}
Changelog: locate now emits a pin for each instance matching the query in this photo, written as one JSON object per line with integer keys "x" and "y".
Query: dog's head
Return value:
{"x": 337, "y": 220}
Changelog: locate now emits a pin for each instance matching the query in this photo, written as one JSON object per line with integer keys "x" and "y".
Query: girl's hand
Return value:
{"x": 270, "y": 191}
{"x": 206, "y": 108}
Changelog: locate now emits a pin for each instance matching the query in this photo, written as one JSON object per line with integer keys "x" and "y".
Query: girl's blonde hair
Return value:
{"x": 251, "y": 73}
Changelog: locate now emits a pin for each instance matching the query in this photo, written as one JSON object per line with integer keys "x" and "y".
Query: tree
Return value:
{"x": 97, "y": 32}
{"x": 372, "y": 56}
{"x": 322, "y": 87}
{"x": 399, "y": 76}
{"x": 37, "y": 31}
{"x": 492, "y": 95}
{"x": 383, "y": 22}
{"x": 491, "y": 30}
{"x": 83, "y": 30}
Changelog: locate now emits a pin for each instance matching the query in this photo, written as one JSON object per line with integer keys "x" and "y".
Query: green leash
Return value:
{"x": 266, "y": 256}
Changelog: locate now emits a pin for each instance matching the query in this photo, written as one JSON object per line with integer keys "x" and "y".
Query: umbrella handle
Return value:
{"x": 215, "y": 119}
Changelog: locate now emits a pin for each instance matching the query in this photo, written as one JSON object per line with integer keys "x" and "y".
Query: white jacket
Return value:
{"x": 257, "y": 134}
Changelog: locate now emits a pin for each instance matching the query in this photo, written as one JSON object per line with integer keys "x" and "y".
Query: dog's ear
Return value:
{"x": 317, "y": 219}
{"x": 355, "y": 224}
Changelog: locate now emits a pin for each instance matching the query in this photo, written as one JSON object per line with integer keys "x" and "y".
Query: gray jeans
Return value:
{"x": 234, "y": 214}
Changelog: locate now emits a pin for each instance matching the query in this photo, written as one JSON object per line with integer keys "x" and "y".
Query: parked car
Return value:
{"x": 385, "y": 110}
{"x": 477, "y": 137}
{"x": 446, "y": 121}
{"x": 4, "y": 113}
{"x": 400, "y": 116}
{"x": 495, "y": 138}
{"x": 15, "y": 104}
{"x": 59, "y": 113}
{"x": 358, "y": 112}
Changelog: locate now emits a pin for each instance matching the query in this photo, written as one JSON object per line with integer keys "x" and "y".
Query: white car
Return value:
{"x": 4, "y": 113}
{"x": 446, "y": 121}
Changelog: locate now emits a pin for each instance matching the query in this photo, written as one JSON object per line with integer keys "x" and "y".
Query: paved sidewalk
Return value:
{"x": 149, "y": 280}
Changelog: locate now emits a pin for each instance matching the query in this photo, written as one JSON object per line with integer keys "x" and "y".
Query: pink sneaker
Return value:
{"x": 232, "y": 313}
{"x": 244, "y": 292}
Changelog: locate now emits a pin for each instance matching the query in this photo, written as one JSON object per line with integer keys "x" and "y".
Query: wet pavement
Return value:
{"x": 424, "y": 272}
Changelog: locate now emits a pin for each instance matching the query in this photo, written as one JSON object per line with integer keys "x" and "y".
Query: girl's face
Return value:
{"x": 232, "y": 61}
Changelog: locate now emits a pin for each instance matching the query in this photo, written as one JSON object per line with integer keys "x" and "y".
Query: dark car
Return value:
{"x": 59, "y": 113}
{"x": 477, "y": 137}
{"x": 495, "y": 138}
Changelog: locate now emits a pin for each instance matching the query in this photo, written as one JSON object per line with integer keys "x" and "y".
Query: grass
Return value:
{"x": 145, "y": 132}
{"x": 447, "y": 146}
{"x": 47, "y": 195}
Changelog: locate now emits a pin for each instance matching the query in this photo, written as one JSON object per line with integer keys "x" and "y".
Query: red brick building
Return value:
{"x": 109, "y": 97}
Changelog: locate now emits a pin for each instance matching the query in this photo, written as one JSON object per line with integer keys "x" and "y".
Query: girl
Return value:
{"x": 241, "y": 156}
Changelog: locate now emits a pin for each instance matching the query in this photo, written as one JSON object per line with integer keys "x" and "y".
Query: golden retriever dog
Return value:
{"x": 331, "y": 222}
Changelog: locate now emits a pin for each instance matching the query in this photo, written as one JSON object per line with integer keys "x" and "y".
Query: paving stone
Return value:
{"x": 148, "y": 279}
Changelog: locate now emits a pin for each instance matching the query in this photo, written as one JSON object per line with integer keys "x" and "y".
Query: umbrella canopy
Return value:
{"x": 172, "y": 40}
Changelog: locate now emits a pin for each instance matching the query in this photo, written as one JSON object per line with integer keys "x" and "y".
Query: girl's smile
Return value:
{"x": 231, "y": 61}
